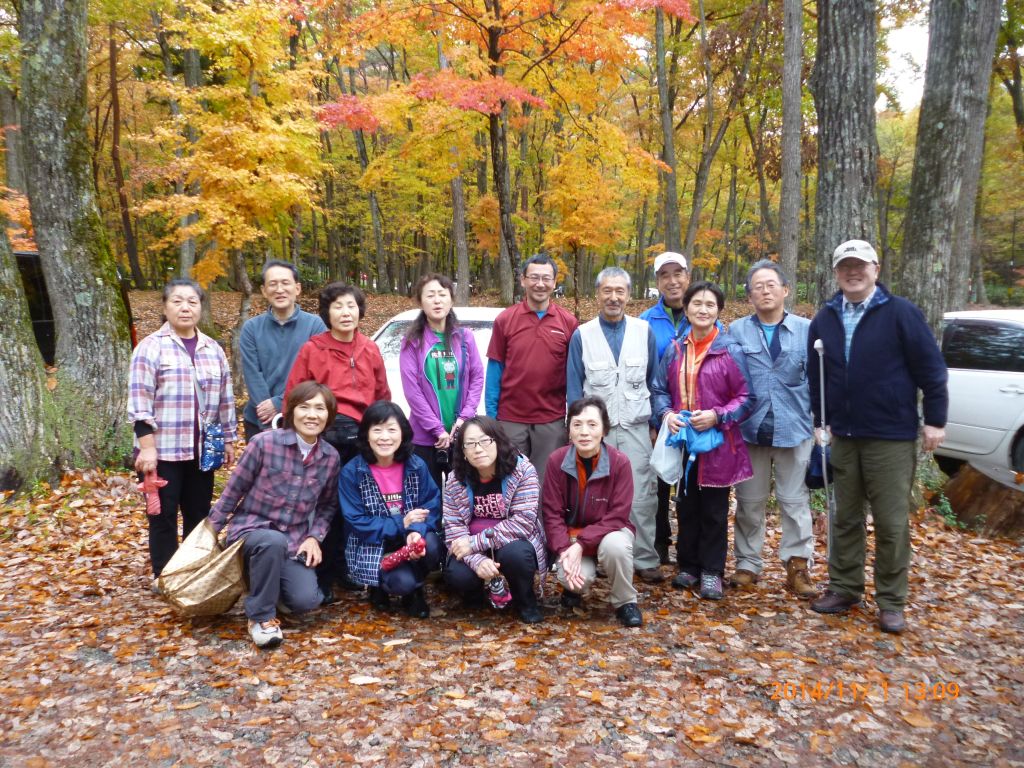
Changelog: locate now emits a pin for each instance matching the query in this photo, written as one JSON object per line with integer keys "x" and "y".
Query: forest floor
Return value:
{"x": 96, "y": 670}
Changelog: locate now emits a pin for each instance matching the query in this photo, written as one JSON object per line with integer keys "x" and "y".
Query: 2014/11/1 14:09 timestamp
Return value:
{"x": 857, "y": 691}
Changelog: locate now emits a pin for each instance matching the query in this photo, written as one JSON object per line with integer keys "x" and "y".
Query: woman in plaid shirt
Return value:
{"x": 281, "y": 499}
{"x": 165, "y": 410}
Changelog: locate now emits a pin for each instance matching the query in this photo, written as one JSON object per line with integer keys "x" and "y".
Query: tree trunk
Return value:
{"x": 384, "y": 281}
{"x": 188, "y": 252}
{"x": 792, "y": 120}
{"x": 961, "y": 43}
{"x": 843, "y": 85}
{"x": 28, "y": 442}
{"x": 91, "y": 322}
{"x": 244, "y": 285}
{"x": 1008, "y": 64}
{"x": 673, "y": 238}
{"x": 131, "y": 249}
{"x": 13, "y": 152}
{"x": 458, "y": 214}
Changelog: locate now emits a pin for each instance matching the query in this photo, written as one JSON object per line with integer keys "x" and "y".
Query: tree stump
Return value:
{"x": 982, "y": 503}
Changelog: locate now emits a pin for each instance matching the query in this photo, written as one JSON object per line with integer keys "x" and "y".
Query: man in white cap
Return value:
{"x": 879, "y": 351}
{"x": 668, "y": 321}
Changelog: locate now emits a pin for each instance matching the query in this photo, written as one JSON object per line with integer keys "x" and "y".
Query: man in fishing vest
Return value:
{"x": 615, "y": 357}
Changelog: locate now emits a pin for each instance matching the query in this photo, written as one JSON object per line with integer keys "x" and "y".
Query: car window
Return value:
{"x": 983, "y": 346}
{"x": 390, "y": 338}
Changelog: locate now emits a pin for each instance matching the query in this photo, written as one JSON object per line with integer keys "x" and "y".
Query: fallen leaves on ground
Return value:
{"x": 95, "y": 668}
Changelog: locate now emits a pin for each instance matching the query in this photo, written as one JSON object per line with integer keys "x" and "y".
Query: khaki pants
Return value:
{"x": 536, "y": 441}
{"x": 634, "y": 440}
{"x": 790, "y": 466}
{"x": 880, "y": 472}
{"x": 615, "y": 559}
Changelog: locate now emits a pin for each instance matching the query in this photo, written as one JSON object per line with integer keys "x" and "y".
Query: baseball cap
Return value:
{"x": 669, "y": 257}
{"x": 854, "y": 249}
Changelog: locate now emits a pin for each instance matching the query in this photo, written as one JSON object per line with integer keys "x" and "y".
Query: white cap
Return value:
{"x": 669, "y": 257}
{"x": 854, "y": 249}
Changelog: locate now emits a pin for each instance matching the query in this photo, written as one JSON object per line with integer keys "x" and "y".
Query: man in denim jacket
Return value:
{"x": 779, "y": 433}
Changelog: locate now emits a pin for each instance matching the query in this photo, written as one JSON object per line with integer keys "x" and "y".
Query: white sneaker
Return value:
{"x": 266, "y": 634}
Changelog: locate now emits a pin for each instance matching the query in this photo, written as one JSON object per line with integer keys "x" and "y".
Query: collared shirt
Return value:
{"x": 161, "y": 391}
{"x": 852, "y": 313}
{"x": 779, "y": 385}
{"x": 274, "y": 488}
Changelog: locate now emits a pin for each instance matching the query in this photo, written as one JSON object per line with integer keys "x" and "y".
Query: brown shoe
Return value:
{"x": 798, "y": 580}
{"x": 891, "y": 621}
{"x": 650, "y": 575}
{"x": 833, "y": 602}
{"x": 741, "y": 577}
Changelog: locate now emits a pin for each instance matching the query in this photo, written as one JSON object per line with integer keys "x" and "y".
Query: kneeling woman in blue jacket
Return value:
{"x": 388, "y": 499}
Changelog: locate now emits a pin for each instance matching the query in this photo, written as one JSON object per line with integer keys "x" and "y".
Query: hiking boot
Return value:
{"x": 379, "y": 599}
{"x": 798, "y": 580}
{"x": 741, "y": 577}
{"x": 651, "y": 575}
{"x": 571, "y": 600}
{"x": 266, "y": 634}
{"x": 415, "y": 605}
{"x": 833, "y": 602}
{"x": 891, "y": 621}
{"x": 629, "y": 615}
{"x": 530, "y": 614}
{"x": 684, "y": 580}
{"x": 710, "y": 586}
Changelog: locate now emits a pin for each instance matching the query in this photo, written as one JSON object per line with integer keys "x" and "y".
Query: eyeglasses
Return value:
{"x": 483, "y": 442}
{"x": 765, "y": 287}
{"x": 546, "y": 279}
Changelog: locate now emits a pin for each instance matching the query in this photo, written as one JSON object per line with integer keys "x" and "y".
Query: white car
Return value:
{"x": 480, "y": 320}
{"x": 984, "y": 352}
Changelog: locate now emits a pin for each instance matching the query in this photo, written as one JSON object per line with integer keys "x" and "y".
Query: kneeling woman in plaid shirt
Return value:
{"x": 281, "y": 499}
{"x": 389, "y": 501}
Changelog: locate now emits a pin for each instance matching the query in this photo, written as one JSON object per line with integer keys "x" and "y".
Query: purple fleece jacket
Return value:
{"x": 424, "y": 409}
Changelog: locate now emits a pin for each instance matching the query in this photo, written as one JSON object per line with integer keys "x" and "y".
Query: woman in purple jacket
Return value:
{"x": 442, "y": 375}
{"x": 705, "y": 373}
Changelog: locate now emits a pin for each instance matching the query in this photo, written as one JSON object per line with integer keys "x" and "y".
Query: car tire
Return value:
{"x": 1017, "y": 457}
{"x": 949, "y": 465}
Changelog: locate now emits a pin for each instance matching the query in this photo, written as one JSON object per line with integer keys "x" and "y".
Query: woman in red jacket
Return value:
{"x": 351, "y": 366}
{"x": 588, "y": 493}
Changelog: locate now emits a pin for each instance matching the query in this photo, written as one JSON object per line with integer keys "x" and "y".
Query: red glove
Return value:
{"x": 150, "y": 487}
{"x": 403, "y": 555}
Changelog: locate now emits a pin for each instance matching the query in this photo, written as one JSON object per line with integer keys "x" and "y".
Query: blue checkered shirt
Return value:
{"x": 852, "y": 313}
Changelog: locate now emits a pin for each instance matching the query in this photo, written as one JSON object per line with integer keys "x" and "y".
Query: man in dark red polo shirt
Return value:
{"x": 526, "y": 366}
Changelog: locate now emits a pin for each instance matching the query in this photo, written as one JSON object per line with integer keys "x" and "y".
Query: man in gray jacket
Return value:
{"x": 271, "y": 341}
{"x": 779, "y": 433}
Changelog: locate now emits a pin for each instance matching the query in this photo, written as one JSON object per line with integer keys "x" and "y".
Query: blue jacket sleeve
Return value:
{"x": 574, "y": 371}
{"x": 492, "y": 394}
{"x": 653, "y": 366}
{"x": 661, "y": 399}
{"x": 371, "y": 529}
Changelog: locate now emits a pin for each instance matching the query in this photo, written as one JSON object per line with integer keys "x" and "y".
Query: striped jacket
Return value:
{"x": 523, "y": 521}
{"x": 162, "y": 394}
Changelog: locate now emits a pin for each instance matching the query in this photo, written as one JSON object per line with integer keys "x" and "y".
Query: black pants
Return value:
{"x": 409, "y": 576}
{"x": 703, "y": 515}
{"x": 252, "y": 429}
{"x": 334, "y": 566}
{"x": 662, "y": 530}
{"x": 517, "y": 562}
{"x": 187, "y": 488}
{"x": 438, "y": 470}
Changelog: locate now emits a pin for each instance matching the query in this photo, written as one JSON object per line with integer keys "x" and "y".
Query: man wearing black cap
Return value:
{"x": 878, "y": 353}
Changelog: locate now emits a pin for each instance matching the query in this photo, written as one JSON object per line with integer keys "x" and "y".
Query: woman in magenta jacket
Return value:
{"x": 705, "y": 373}
{"x": 442, "y": 375}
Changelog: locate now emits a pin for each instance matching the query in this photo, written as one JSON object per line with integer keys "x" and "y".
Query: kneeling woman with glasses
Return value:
{"x": 491, "y": 522}
{"x": 388, "y": 501}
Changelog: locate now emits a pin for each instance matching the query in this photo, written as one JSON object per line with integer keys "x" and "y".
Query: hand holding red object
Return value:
{"x": 150, "y": 487}
{"x": 403, "y": 555}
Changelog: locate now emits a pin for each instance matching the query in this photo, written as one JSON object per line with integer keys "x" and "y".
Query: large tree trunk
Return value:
{"x": 670, "y": 200}
{"x": 13, "y": 153}
{"x": 90, "y": 318}
{"x": 843, "y": 85}
{"x": 131, "y": 249}
{"x": 458, "y": 214}
{"x": 947, "y": 159}
{"x": 27, "y": 430}
{"x": 792, "y": 118}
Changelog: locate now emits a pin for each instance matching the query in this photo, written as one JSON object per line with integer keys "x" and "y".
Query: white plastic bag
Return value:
{"x": 667, "y": 460}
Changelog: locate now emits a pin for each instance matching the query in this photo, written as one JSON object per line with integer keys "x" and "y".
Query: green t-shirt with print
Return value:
{"x": 442, "y": 371}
